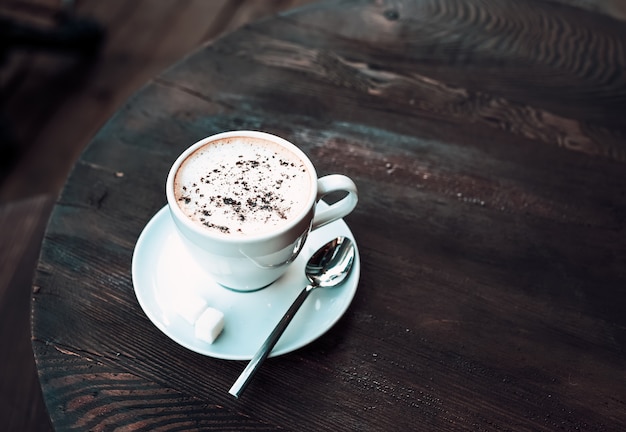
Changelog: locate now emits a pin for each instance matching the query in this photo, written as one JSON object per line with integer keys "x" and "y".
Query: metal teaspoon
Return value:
{"x": 328, "y": 267}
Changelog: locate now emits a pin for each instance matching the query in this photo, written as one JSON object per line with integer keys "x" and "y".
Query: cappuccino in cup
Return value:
{"x": 244, "y": 202}
{"x": 242, "y": 186}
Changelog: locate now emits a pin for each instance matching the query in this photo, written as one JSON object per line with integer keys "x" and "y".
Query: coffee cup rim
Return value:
{"x": 244, "y": 239}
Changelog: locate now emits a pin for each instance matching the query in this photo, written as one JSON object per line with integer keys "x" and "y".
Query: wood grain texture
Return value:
{"x": 487, "y": 141}
{"x": 613, "y": 8}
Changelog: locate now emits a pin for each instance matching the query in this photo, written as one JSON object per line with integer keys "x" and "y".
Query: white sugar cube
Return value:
{"x": 190, "y": 307}
{"x": 209, "y": 325}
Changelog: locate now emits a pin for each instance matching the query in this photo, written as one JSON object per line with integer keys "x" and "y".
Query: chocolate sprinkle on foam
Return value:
{"x": 242, "y": 186}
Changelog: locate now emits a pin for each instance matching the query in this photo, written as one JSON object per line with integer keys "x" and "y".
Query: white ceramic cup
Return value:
{"x": 247, "y": 263}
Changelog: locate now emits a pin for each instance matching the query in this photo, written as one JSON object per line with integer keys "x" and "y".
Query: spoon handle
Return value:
{"x": 255, "y": 363}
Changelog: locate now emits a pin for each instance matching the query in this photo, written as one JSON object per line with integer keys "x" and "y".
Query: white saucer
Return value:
{"x": 162, "y": 269}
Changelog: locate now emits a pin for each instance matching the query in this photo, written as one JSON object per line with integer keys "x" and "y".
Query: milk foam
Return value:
{"x": 242, "y": 186}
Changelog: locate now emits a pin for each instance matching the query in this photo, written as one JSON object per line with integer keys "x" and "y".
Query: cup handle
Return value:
{"x": 334, "y": 183}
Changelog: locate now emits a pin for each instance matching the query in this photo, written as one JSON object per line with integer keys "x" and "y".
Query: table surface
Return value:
{"x": 487, "y": 139}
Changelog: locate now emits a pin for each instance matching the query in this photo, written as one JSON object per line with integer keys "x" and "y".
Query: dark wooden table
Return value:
{"x": 488, "y": 141}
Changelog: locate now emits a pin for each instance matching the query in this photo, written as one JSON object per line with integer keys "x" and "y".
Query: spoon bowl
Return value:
{"x": 327, "y": 268}
{"x": 331, "y": 264}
